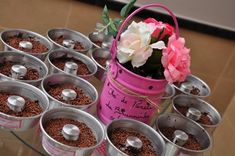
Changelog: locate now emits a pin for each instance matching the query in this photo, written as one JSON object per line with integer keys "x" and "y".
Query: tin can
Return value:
{"x": 193, "y": 86}
{"x": 14, "y": 123}
{"x": 156, "y": 140}
{"x": 196, "y": 107}
{"x": 57, "y": 79}
{"x": 184, "y": 127}
{"x": 6, "y": 34}
{"x": 55, "y": 148}
{"x": 60, "y": 53}
{"x": 22, "y": 61}
{"x": 100, "y": 53}
{"x": 70, "y": 37}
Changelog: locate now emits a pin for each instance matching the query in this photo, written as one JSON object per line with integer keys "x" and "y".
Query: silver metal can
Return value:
{"x": 183, "y": 127}
{"x": 196, "y": 108}
{"x": 101, "y": 53}
{"x": 60, "y": 53}
{"x": 70, "y": 36}
{"x": 21, "y": 62}
{"x": 193, "y": 86}
{"x": 14, "y": 123}
{"x": 95, "y": 37}
{"x": 165, "y": 103}
{"x": 156, "y": 140}
{"x": 56, "y": 148}
{"x": 54, "y": 79}
{"x": 105, "y": 41}
{"x": 25, "y": 34}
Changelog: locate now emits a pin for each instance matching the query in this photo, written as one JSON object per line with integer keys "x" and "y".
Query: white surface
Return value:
{"x": 218, "y": 13}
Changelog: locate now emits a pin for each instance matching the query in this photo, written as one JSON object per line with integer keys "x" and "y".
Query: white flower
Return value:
{"x": 135, "y": 45}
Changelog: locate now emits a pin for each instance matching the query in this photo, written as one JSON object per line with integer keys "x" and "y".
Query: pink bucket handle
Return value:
{"x": 124, "y": 23}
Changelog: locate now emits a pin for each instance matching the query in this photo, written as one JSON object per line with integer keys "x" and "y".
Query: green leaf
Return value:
{"x": 111, "y": 31}
{"x": 117, "y": 22}
{"x": 153, "y": 40}
{"x": 112, "y": 28}
{"x": 112, "y": 25}
{"x": 105, "y": 15}
{"x": 126, "y": 9}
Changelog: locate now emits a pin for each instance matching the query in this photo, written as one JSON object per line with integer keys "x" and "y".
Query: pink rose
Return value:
{"x": 176, "y": 60}
{"x": 162, "y": 30}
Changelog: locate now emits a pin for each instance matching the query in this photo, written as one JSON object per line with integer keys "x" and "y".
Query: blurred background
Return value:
{"x": 210, "y": 12}
{"x": 210, "y": 38}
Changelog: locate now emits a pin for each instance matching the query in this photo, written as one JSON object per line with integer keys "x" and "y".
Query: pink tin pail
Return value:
{"x": 126, "y": 94}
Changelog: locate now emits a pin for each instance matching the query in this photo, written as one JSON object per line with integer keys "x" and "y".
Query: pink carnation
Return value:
{"x": 176, "y": 60}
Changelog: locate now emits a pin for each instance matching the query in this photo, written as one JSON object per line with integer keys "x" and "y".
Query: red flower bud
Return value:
{"x": 162, "y": 30}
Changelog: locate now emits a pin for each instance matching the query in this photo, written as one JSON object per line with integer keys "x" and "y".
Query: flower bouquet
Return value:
{"x": 151, "y": 49}
{"x": 145, "y": 57}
